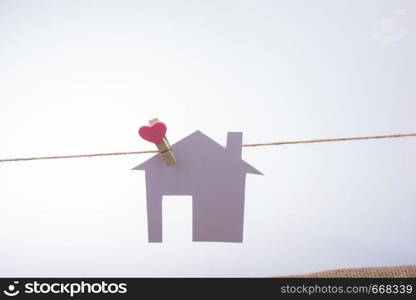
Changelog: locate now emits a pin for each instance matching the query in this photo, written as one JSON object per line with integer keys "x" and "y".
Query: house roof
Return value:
{"x": 200, "y": 147}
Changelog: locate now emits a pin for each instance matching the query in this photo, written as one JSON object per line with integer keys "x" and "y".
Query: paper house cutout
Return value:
{"x": 215, "y": 178}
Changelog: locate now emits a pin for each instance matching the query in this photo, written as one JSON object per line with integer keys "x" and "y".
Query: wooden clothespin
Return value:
{"x": 164, "y": 147}
{"x": 156, "y": 133}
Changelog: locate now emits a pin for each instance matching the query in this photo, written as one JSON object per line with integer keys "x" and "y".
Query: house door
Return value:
{"x": 177, "y": 219}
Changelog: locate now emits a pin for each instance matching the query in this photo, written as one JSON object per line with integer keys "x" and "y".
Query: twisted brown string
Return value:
{"x": 390, "y": 136}
{"x": 374, "y": 137}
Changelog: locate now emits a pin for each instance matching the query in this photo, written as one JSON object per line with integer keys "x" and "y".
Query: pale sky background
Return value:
{"x": 82, "y": 76}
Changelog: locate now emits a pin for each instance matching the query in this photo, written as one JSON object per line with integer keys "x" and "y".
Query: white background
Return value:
{"x": 82, "y": 76}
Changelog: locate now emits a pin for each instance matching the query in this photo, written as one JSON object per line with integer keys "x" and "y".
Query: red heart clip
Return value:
{"x": 154, "y": 133}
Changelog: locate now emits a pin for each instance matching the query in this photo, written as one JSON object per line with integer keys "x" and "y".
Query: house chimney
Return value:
{"x": 235, "y": 142}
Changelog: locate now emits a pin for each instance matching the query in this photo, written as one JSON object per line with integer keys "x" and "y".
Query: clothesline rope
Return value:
{"x": 345, "y": 139}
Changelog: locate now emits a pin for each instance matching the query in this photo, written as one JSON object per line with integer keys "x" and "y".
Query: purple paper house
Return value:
{"x": 215, "y": 178}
